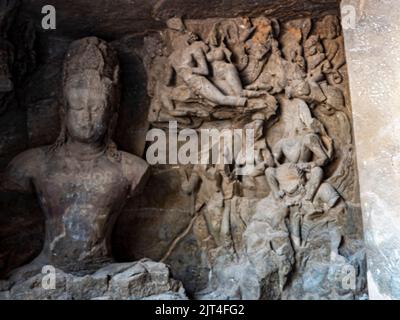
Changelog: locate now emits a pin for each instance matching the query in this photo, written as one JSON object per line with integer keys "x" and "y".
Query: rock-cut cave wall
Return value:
{"x": 274, "y": 66}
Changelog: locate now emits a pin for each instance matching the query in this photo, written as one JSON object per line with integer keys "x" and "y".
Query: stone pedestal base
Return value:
{"x": 143, "y": 279}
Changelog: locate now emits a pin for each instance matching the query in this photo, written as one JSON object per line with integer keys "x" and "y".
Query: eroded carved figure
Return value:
{"x": 279, "y": 225}
{"x": 82, "y": 180}
{"x": 200, "y": 77}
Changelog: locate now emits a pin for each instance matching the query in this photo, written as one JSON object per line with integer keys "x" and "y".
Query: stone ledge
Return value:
{"x": 144, "y": 279}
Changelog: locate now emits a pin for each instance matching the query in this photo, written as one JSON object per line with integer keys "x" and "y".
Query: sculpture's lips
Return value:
{"x": 6, "y": 85}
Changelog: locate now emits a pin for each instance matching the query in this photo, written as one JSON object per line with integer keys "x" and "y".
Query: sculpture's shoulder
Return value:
{"x": 23, "y": 168}
{"x": 29, "y": 160}
{"x": 136, "y": 170}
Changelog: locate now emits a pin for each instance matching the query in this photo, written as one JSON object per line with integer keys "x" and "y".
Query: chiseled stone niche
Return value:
{"x": 82, "y": 182}
{"x": 291, "y": 227}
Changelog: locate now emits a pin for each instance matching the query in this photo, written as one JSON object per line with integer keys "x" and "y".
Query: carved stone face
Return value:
{"x": 88, "y": 110}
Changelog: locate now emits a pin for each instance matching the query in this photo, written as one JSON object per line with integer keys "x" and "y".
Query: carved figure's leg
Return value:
{"x": 225, "y": 233}
{"x": 270, "y": 174}
{"x": 327, "y": 194}
{"x": 203, "y": 87}
{"x": 233, "y": 80}
{"x": 295, "y": 234}
{"x": 336, "y": 239}
{"x": 213, "y": 215}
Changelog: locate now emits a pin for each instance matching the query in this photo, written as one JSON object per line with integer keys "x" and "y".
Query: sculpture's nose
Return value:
{"x": 85, "y": 116}
{"x": 6, "y": 85}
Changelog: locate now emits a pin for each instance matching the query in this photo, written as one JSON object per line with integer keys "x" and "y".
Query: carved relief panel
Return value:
{"x": 290, "y": 227}
{"x": 282, "y": 222}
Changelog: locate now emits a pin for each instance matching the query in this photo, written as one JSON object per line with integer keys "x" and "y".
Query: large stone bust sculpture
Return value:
{"x": 82, "y": 180}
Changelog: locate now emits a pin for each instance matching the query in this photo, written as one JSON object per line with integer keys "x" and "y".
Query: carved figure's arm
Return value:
{"x": 169, "y": 75}
{"x": 277, "y": 153}
{"x": 202, "y": 67}
{"x": 268, "y": 158}
{"x": 20, "y": 172}
{"x": 313, "y": 142}
{"x": 191, "y": 184}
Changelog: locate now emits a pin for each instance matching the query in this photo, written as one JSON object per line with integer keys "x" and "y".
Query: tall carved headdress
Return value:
{"x": 89, "y": 58}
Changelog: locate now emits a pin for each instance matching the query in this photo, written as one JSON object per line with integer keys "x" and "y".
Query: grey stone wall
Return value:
{"x": 373, "y": 50}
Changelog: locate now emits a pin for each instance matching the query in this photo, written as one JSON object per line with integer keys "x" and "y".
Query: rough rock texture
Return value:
{"x": 116, "y": 18}
{"x": 143, "y": 279}
{"x": 163, "y": 223}
{"x": 372, "y": 49}
{"x": 290, "y": 228}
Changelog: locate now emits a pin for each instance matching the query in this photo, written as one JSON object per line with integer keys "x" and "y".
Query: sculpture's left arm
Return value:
{"x": 201, "y": 61}
{"x": 314, "y": 143}
{"x": 20, "y": 173}
{"x": 137, "y": 172}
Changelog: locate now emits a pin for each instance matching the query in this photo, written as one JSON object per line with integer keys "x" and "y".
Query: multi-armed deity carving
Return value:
{"x": 287, "y": 82}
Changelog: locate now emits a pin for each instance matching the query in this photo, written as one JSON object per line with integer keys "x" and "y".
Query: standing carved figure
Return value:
{"x": 252, "y": 165}
{"x": 297, "y": 178}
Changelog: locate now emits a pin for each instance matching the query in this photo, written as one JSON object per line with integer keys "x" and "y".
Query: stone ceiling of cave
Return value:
{"x": 115, "y": 18}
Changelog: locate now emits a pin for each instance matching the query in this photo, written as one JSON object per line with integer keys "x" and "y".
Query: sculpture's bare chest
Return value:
{"x": 94, "y": 182}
